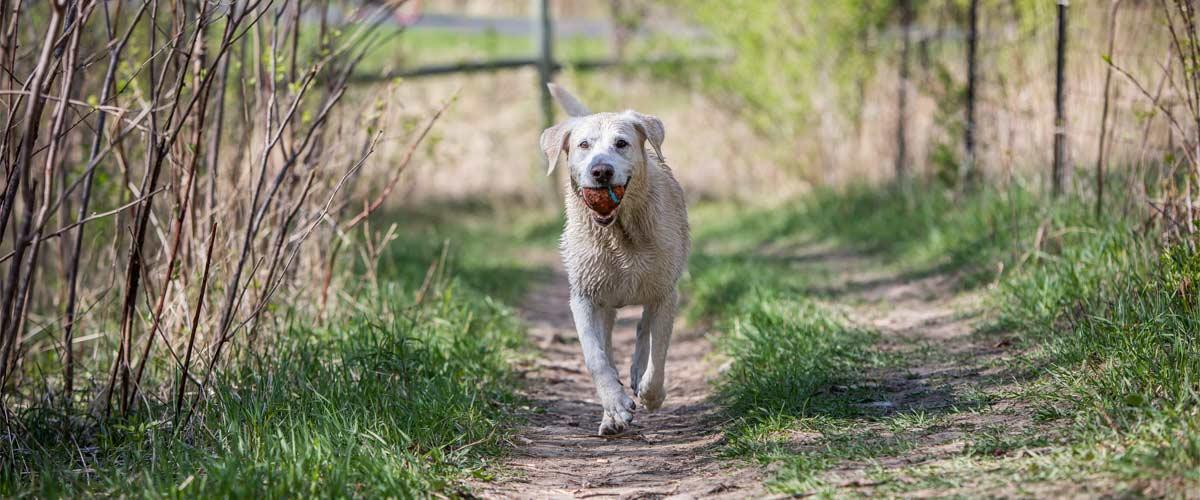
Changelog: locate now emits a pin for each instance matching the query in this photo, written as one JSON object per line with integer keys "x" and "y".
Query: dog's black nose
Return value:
{"x": 602, "y": 173}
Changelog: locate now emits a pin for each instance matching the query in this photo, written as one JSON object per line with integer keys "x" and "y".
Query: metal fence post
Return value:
{"x": 1061, "y": 174}
{"x": 545, "y": 43}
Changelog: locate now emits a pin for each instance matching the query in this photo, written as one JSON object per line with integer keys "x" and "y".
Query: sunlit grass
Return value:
{"x": 1108, "y": 319}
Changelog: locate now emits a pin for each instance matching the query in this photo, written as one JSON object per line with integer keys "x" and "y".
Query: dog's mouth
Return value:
{"x": 604, "y": 203}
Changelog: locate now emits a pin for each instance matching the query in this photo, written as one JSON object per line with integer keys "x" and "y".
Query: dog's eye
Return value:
{"x": 584, "y": 145}
{"x": 621, "y": 143}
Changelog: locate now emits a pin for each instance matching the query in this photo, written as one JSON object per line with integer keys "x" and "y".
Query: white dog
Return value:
{"x": 625, "y": 243}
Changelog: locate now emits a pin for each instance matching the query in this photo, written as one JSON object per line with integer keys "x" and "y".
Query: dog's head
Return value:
{"x": 606, "y": 153}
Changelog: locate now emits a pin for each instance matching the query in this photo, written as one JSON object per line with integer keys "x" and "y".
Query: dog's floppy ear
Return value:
{"x": 652, "y": 128}
{"x": 554, "y": 143}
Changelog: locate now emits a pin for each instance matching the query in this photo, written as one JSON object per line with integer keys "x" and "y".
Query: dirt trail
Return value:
{"x": 674, "y": 452}
{"x": 671, "y": 452}
{"x": 960, "y": 380}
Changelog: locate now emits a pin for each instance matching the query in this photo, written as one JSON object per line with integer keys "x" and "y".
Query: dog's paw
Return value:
{"x": 610, "y": 426}
{"x": 617, "y": 416}
{"x": 652, "y": 397}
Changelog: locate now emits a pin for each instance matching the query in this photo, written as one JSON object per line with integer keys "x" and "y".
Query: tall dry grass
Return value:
{"x": 1015, "y": 116}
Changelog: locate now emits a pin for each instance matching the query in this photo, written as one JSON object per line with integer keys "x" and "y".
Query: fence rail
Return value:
{"x": 502, "y": 64}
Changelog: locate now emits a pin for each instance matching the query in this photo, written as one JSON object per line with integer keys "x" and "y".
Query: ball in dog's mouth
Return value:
{"x": 603, "y": 202}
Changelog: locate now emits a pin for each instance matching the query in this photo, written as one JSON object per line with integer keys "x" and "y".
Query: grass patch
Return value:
{"x": 488, "y": 244}
{"x": 795, "y": 373}
{"x": 794, "y": 365}
{"x": 1109, "y": 319}
{"x": 787, "y": 355}
{"x": 397, "y": 399}
{"x": 373, "y": 407}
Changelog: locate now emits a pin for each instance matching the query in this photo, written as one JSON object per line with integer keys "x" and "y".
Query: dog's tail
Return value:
{"x": 568, "y": 102}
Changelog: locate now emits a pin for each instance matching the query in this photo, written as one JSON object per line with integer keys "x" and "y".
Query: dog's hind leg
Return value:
{"x": 641, "y": 351}
{"x": 660, "y": 320}
{"x": 590, "y": 321}
{"x": 609, "y": 315}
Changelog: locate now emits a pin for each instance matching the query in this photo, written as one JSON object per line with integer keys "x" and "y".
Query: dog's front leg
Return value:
{"x": 590, "y": 322}
{"x": 654, "y": 335}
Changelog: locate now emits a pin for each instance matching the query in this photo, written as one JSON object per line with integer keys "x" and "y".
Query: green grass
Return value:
{"x": 371, "y": 408}
{"x": 397, "y": 49}
{"x": 488, "y": 244}
{"x": 401, "y": 399}
{"x": 1107, "y": 321}
{"x": 1115, "y": 315}
{"x": 798, "y": 368}
{"x": 396, "y": 399}
{"x": 786, "y": 352}
{"x": 427, "y": 45}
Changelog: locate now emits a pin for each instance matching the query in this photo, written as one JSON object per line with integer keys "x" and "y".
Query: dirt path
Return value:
{"x": 946, "y": 376}
{"x": 671, "y": 452}
{"x": 953, "y": 386}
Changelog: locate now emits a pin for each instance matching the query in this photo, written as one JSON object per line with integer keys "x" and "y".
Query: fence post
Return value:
{"x": 906, "y": 14}
{"x": 1060, "y": 174}
{"x": 970, "y": 165}
{"x": 545, "y": 42}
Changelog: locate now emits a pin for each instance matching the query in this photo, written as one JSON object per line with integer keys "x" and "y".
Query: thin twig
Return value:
{"x": 191, "y": 345}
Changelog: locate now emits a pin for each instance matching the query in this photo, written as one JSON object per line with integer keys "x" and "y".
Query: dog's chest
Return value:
{"x": 617, "y": 275}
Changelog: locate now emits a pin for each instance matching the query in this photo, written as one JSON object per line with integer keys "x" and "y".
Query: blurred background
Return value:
{"x": 770, "y": 98}
{"x": 614, "y": 55}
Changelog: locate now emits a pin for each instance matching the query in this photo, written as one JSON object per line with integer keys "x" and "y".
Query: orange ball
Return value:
{"x": 602, "y": 200}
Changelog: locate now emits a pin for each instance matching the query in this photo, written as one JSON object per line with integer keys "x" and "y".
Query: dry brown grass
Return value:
{"x": 486, "y": 144}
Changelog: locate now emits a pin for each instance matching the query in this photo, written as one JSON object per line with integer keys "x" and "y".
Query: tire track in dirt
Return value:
{"x": 669, "y": 453}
